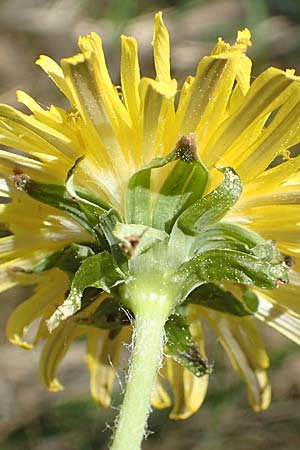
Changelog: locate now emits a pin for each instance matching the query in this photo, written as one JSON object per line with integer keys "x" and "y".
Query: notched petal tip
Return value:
{"x": 76, "y": 59}
{"x": 158, "y": 16}
{"x": 128, "y": 39}
{"x": 225, "y": 50}
{"x": 166, "y": 89}
{"x": 43, "y": 60}
{"x": 55, "y": 386}
{"x": 161, "y": 48}
{"x": 89, "y": 42}
{"x": 290, "y": 74}
{"x": 244, "y": 37}
{"x": 158, "y": 23}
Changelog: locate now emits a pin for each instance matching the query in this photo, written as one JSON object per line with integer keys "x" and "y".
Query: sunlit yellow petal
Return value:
{"x": 55, "y": 73}
{"x": 279, "y": 316}
{"x": 54, "y": 117}
{"x": 267, "y": 93}
{"x": 10, "y": 161}
{"x": 243, "y": 77}
{"x": 204, "y": 107}
{"x": 161, "y": 47}
{"x": 243, "y": 40}
{"x": 158, "y": 115}
{"x": 25, "y": 245}
{"x": 278, "y": 222}
{"x": 26, "y": 129}
{"x": 7, "y": 279}
{"x": 85, "y": 97}
{"x": 281, "y": 134}
{"x": 281, "y": 195}
{"x": 272, "y": 179}
{"x": 107, "y": 96}
{"x": 130, "y": 78}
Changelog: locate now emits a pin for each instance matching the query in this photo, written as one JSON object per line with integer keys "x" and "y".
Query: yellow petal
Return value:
{"x": 158, "y": 117}
{"x": 42, "y": 223}
{"x": 91, "y": 46}
{"x": 287, "y": 295}
{"x": 31, "y": 104}
{"x": 189, "y": 391}
{"x": 10, "y": 161}
{"x": 11, "y": 271}
{"x": 243, "y": 77}
{"x": 100, "y": 118}
{"x": 277, "y": 222}
{"x": 268, "y": 92}
{"x": 101, "y": 99}
{"x": 272, "y": 180}
{"x": 54, "y": 350}
{"x": 130, "y": 78}
{"x": 4, "y": 185}
{"x": 204, "y": 107}
{"x": 279, "y": 316}
{"x": 184, "y": 90}
{"x": 281, "y": 195}
{"x": 160, "y": 399}
{"x": 243, "y": 41}
{"x": 13, "y": 247}
{"x": 56, "y": 118}
{"x": 251, "y": 342}
{"x": 50, "y": 291}
{"x": 7, "y": 279}
{"x": 55, "y": 73}
{"x": 19, "y": 130}
{"x": 282, "y": 133}
{"x": 41, "y": 167}
{"x": 196, "y": 328}
{"x": 161, "y": 47}
{"x": 102, "y": 358}
{"x": 244, "y": 347}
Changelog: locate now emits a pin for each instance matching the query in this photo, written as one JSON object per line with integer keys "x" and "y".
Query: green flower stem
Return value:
{"x": 146, "y": 357}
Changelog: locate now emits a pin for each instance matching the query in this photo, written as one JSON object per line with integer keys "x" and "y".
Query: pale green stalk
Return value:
{"x": 145, "y": 361}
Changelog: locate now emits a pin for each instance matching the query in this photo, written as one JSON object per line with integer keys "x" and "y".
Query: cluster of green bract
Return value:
{"x": 174, "y": 239}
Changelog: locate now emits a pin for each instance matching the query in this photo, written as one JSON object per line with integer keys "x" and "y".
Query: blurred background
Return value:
{"x": 30, "y": 417}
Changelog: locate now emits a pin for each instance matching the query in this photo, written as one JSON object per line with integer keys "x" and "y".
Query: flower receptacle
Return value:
{"x": 146, "y": 296}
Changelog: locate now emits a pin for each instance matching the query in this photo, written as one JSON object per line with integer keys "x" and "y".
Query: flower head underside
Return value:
{"x": 164, "y": 183}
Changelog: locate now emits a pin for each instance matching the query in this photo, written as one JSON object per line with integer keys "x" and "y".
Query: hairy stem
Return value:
{"x": 146, "y": 356}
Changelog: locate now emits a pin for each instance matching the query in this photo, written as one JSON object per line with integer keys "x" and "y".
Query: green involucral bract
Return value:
{"x": 216, "y": 297}
{"x": 171, "y": 248}
{"x": 182, "y": 348}
{"x": 67, "y": 259}
{"x": 110, "y": 315}
{"x": 98, "y": 271}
